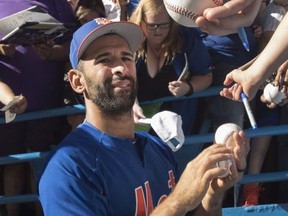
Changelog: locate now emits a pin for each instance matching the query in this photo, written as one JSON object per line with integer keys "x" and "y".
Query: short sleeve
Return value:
{"x": 84, "y": 196}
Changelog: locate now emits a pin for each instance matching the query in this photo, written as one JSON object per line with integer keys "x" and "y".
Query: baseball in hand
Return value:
{"x": 224, "y": 135}
{"x": 185, "y": 12}
{"x": 272, "y": 94}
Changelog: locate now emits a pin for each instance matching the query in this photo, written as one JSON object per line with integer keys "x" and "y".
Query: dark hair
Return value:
{"x": 96, "y": 5}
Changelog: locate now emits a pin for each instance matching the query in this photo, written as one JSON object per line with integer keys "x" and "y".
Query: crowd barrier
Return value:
{"x": 190, "y": 141}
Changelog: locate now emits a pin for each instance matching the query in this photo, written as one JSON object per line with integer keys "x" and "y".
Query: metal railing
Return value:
{"x": 189, "y": 140}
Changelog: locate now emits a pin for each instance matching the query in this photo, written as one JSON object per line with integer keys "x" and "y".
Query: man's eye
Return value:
{"x": 105, "y": 60}
{"x": 127, "y": 59}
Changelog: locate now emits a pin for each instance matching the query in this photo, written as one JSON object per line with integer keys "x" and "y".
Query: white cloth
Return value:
{"x": 112, "y": 10}
{"x": 168, "y": 126}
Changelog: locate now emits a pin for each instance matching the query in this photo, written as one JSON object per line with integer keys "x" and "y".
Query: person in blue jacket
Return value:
{"x": 104, "y": 167}
{"x": 227, "y": 52}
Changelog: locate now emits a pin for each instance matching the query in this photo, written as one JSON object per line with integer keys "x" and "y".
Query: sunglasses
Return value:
{"x": 153, "y": 26}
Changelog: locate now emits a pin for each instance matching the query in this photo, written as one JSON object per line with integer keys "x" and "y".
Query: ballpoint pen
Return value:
{"x": 248, "y": 110}
{"x": 243, "y": 36}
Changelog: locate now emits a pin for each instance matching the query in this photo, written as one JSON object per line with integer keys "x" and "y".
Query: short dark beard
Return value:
{"x": 105, "y": 99}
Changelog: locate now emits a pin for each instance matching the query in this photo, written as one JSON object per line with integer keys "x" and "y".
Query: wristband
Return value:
{"x": 191, "y": 90}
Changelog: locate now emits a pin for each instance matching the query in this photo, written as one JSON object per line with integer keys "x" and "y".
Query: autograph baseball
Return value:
{"x": 272, "y": 94}
{"x": 224, "y": 135}
{"x": 185, "y": 12}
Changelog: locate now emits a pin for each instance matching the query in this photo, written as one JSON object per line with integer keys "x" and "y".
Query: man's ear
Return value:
{"x": 76, "y": 80}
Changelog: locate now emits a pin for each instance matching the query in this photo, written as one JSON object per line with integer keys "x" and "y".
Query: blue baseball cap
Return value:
{"x": 98, "y": 27}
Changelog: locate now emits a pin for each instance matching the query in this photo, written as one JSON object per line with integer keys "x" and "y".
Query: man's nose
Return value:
{"x": 120, "y": 68}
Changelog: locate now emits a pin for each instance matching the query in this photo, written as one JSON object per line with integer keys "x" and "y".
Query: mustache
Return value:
{"x": 108, "y": 81}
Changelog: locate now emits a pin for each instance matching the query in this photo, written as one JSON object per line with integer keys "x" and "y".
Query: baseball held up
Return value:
{"x": 185, "y": 12}
{"x": 273, "y": 94}
{"x": 224, "y": 135}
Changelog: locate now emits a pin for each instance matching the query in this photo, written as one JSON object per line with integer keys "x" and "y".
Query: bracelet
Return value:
{"x": 191, "y": 90}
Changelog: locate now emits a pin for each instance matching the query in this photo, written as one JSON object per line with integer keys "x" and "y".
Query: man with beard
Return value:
{"x": 104, "y": 167}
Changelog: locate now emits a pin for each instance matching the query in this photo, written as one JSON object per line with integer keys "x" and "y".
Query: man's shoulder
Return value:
{"x": 153, "y": 140}
{"x": 149, "y": 137}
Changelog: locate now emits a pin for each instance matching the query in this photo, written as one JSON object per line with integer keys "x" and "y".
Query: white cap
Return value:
{"x": 168, "y": 126}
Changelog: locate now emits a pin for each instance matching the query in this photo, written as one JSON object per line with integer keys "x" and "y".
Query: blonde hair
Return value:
{"x": 173, "y": 42}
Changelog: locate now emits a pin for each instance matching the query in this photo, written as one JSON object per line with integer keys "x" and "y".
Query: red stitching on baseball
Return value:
{"x": 181, "y": 10}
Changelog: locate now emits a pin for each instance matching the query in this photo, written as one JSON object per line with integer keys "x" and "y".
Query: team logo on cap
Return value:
{"x": 101, "y": 21}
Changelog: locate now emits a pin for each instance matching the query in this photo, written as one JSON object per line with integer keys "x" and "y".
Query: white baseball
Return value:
{"x": 185, "y": 12}
{"x": 224, "y": 135}
{"x": 224, "y": 132}
{"x": 272, "y": 94}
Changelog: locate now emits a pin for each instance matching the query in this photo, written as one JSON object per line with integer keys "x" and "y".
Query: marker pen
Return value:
{"x": 248, "y": 110}
{"x": 243, "y": 36}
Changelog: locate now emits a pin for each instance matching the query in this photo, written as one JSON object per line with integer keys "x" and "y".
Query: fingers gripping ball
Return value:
{"x": 185, "y": 12}
{"x": 224, "y": 135}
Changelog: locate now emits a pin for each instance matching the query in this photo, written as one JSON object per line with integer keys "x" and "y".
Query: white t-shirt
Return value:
{"x": 112, "y": 10}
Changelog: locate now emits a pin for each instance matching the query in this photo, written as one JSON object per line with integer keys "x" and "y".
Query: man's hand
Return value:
{"x": 178, "y": 88}
{"x": 7, "y": 49}
{"x": 280, "y": 81}
{"x": 20, "y": 106}
{"x": 212, "y": 202}
{"x": 200, "y": 183}
{"x": 240, "y": 152}
{"x": 17, "y": 104}
{"x": 244, "y": 82}
{"x": 225, "y": 19}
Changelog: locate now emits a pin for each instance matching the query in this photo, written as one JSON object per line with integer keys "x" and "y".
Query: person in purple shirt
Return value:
{"x": 104, "y": 167}
{"x": 36, "y": 72}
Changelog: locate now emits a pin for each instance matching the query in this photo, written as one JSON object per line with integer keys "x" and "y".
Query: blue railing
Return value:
{"x": 189, "y": 140}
